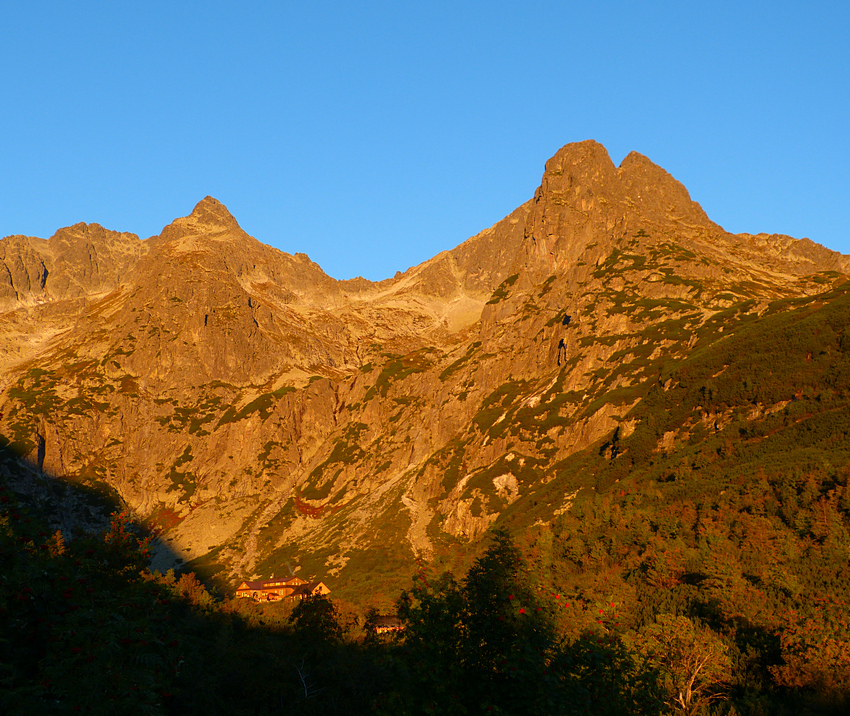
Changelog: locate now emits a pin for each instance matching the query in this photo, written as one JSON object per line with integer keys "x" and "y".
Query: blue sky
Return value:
{"x": 372, "y": 135}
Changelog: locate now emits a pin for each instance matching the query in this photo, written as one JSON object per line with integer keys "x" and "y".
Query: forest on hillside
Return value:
{"x": 638, "y": 601}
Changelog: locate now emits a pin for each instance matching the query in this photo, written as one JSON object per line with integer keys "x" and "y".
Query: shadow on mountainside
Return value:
{"x": 86, "y": 628}
{"x": 72, "y": 507}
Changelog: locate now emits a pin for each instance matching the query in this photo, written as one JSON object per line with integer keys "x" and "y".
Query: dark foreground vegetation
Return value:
{"x": 694, "y": 609}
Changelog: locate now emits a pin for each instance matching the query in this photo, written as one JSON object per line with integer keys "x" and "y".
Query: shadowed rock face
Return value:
{"x": 261, "y": 412}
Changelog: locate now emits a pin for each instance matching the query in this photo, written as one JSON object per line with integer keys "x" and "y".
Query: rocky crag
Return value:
{"x": 259, "y": 414}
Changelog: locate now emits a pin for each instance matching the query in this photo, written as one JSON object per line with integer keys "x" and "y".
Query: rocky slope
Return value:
{"x": 262, "y": 415}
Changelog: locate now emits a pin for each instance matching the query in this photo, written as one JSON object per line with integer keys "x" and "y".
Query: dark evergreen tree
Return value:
{"x": 482, "y": 646}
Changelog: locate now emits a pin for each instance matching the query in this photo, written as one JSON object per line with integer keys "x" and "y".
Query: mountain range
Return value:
{"x": 263, "y": 418}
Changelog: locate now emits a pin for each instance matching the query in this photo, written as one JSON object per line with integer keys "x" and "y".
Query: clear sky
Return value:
{"x": 372, "y": 135}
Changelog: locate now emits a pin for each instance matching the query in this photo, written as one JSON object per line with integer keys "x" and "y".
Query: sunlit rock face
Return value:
{"x": 260, "y": 414}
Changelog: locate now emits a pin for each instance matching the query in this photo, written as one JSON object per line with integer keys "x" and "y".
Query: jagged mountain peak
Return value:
{"x": 580, "y": 169}
{"x": 210, "y": 210}
{"x": 581, "y": 174}
{"x": 209, "y": 219}
{"x": 584, "y": 154}
{"x": 659, "y": 196}
{"x": 576, "y": 207}
{"x": 585, "y": 206}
